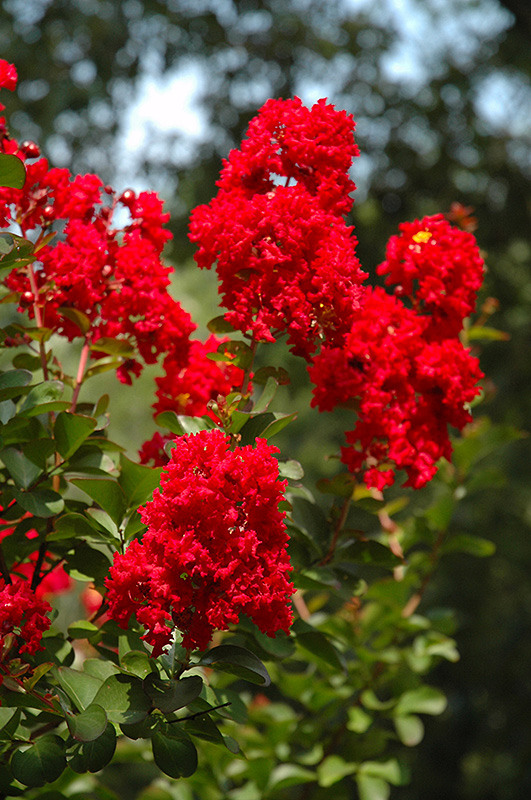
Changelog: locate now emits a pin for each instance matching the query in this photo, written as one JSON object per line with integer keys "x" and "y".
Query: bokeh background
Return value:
{"x": 152, "y": 95}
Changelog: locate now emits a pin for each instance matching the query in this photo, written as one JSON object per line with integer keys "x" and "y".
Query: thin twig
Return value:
{"x": 80, "y": 373}
{"x": 339, "y": 527}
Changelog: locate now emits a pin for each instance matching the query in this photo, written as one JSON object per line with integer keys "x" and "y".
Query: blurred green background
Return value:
{"x": 153, "y": 95}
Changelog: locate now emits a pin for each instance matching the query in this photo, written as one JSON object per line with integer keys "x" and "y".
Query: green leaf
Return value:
{"x": 12, "y": 381}
{"x": 358, "y": 720}
{"x": 89, "y": 725}
{"x": 107, "y": 493}
{"x": 124, "y": 699}
{"x": 237, "y": 661}
{"x": 265, "y": 426}
{"x": 220, "y": 325}
{"x": 319, "y": 645}
{"x": 70, "y": 432}
{"x": 93, "y": 756}
{"x": 424, "y": 700}
{"x": 12, "y": 171}
{"x": 176, "y": 757}
{"x": 286, "y": 775}
{"x": 15, "y": 252}
{"x": 370, "y": 788}
{"x": 341, "y": 485}
{"x": 114, "y": 347}
{"x": 40, "y": 502}
{"x": 137, "y": 662}
{"x": 77, "y": 317}
{"x": 41, "y": 394}
{"x": 368, "y": 552}
{"x": 39, "y": 763}
{"x": 72, "y": 526}
{"x": 82, "y": 629}
{"x": 484, "y": 333}
{"x": 389, "y": 771}
{"x": 290, "y": 469}
{"x": 465, "y": 543}
{"x": 278, "y": 373}
{"x": 79, "y": 686}
{"x": 268, "y": 393}
{"x": 171, "y": 695}
{"x": 334, "y": 769}
{"x": 86, "y": 563}
{"x": 234, "y": 352}
{"x": 204, "y": 728}
{"x": 23, "y": 471}
{"x": 410, "y": 729}
{"x": 138, "y": 482}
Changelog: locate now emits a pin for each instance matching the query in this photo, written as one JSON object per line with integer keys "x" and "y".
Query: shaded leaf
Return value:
{"x": 107, "y": 493}
{"x": 39, "y": 763}
{"x": 472, "y": 545}
{"x": 123, "y": 698}
{"x": 41, "y": 394}
{"x": 23, "y": 471}
{"x": 171, "y": 695}
{"x": 70, "y": 432}
{"x": 40, "y": 502}
{"x": 237, "y": 661}
{"x": 93, "y": 756}
{"x": 138, "y": 482}
{"x": 176, "y": 757}
{"x": 89, "y": 725}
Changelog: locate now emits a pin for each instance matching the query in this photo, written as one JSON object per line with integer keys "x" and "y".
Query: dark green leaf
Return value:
{"x": 107, "y": 493}
{"x": 369, "y": 552}
{"x": 124, "y": 699}
{"x": 87, "y": 564}
{"x": 174, "y": 694}
{"x": 72, "y": 526}
{"x": 204, "y": 728}
{"x": 41, "y": 394}
{"x": 93, "y": 756}
{"x": 138, "y": 482}
{"x": 40, "y": 502}
{"x": 23, "y": 471}
{"x": 220, "y": 325}
{"x": 70, "y": 432}
{"x": 39, "y": 763}
{"x": 89, "y": 725}
{"x": 12, "y": 172}
{"x": 176, "y": 757}
{"x": 318, "y": 644}
{"x": 278, "y": 373}
{"x": 266, "y": 397}
{"x": 13, "y": 379}
{"x": 237, "y": 661}
{"x": 82, "y": 629}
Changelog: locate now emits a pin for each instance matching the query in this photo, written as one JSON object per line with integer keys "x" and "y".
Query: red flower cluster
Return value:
{"x": 114, "y": 276}
{"x": 439, "y": 267}
{"x": 23, "y": 615}
{"x": 406, "y": 371}
{"x": 284, "y": 255}
{"x": 215, "y": 546}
